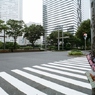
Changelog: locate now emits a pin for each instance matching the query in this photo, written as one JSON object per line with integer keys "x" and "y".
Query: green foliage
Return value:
{"x": 33, "y": 33}
{"x": 68, "y": 46}
{"x": 52, "y": 47}
{"x": 1, "y": 45}
{"x": 84, "y": 28}
{"x": 69, "y": 43}
{"x": 75, "y": 52}
{"x": 27, "y": 47}
{"x": 10, "y": 45}
{"x": 3, "y": 27}
{"x": 15, "y": 29}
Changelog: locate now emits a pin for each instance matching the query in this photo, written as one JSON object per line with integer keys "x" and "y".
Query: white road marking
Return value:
{"x": 49, "y": 84}
{"x": 63, "y": 65}
{"x": 23, "y": 87}
{"x": 61, "y": 78}
{"x": 62, "y": 72}
{"x": 2, "y": 92}
{"x": 71, "y": 64}
{"x": 63, "y": 68}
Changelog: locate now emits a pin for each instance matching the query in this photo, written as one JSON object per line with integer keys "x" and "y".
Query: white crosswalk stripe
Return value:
{"x": 63, "y": 68}
{"x": 49, "y": 84}
{"x": 20, "y": 85}
{"x": 55, "y": 77}
{"x": 68, "y": 80}
{"x": 61, "y": 72}
{"x": 63, "y": 65}
{"x": 71, "y": 64}
{"x": 2, "y": 92}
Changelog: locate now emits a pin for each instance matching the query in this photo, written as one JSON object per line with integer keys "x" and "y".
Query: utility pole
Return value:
{"x": 58, "y": 41}
{"x": 62, "y": 38}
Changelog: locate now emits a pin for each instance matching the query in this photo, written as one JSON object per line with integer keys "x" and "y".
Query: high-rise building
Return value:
{"x": 61, "y": 14}
{"x": 10, "y": 9}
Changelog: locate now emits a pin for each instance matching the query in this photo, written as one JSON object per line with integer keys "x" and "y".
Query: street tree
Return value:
{"x": 3, "y": 27}
{"x": 33, "y": 33}
{"x": 15, "y": 29}
{"x": 53, "y": 39}
{"x": 84, "y": 28}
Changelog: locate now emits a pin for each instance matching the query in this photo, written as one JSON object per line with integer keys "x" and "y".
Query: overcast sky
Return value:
{"x": 32, "y": 11}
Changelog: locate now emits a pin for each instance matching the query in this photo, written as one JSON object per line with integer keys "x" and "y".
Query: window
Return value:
{"x": 91, "y": 4}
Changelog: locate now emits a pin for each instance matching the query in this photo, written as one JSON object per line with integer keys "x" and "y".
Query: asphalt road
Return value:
{"x": 44, "y": 79}
{"x": 9, "y": 61}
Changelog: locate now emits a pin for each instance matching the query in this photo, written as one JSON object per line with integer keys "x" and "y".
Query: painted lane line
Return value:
{"x": 49, "y": 84}
{"x": 80, "y": 65}
{"x": 61, "y": 78}
{"x": 63, "y": 65}
{"x": 61, "y": 72}
{"x": 2, "y": 92}
{"x": 63, "y": 68}
{"x": 23, "y": 87}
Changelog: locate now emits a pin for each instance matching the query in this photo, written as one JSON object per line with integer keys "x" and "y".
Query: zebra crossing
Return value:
{"x": 64, "y": 77}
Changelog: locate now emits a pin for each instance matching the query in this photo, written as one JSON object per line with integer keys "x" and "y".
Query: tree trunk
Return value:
{"x": 33, "y": 44}
{"x": 14, "y": 42}
{"x": 4, "y": 39}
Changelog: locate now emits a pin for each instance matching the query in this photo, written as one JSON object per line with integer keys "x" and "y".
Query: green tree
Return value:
{"x": 84, "y": 28}
{"x": 33, "y": 33}
{"x": 71, "y": 41}
{"x": 15, "y": 29}
{"x": 3, "y": 27}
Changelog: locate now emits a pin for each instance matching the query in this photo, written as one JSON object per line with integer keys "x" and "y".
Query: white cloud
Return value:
{"x": 32, "y": 11}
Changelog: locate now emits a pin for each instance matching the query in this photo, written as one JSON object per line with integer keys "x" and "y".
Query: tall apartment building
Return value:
{"x": 11, "y": 9}
{"x": 62, "y": 14}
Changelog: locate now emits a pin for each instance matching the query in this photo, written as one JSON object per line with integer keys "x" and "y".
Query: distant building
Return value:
{"x": 10, "y": 9}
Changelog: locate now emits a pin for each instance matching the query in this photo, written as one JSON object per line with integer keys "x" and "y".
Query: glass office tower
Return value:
{"x": 10, "y": 9}
{"x": 61, "y": 14}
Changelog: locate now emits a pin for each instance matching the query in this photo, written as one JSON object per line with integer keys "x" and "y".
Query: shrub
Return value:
{"x": 27, "y": 47}
{"x": 68, "y": 46}
{"x": 10, "y": 45}
{"x": 75, "y": 52}
{"x": 1, "y": 45}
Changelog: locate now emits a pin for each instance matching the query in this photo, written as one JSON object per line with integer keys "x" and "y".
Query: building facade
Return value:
{"x": 11, "y": 9}
{"x": 92, "y": 24}
{"x": 61, "y": 14}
